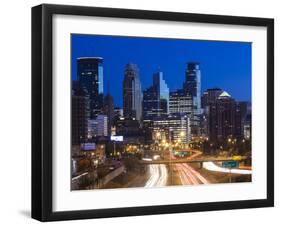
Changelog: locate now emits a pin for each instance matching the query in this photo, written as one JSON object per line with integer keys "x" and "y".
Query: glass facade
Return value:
{"x": 192, "y": 86}
{"x": 161, "y": 89}
{"x": 132, "y": 93}
{"x": 156, "y": 98}
{"x": 176, "y": 127}
{"x": 180, "y": 102}
{"x": 90, "y": 78}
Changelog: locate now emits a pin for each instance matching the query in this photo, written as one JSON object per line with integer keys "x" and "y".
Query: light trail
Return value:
{"x": 202, "y": 179}
{"x": 154, "y": 174}
{"x": 164, "y": 176}
{"x": 77, "y": 177}
{"x": 186, "y": 177}
{"x": 189, "y": 176}
{"x": 213, "y": 167}
{"x": 158, "y": 176}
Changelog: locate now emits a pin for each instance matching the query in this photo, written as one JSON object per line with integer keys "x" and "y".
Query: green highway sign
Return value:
{"x": 230, "y": 164}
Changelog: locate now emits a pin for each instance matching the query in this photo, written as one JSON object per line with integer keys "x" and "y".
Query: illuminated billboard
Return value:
{"x": 88, "y": 146}
{"x": 116, "y": 138}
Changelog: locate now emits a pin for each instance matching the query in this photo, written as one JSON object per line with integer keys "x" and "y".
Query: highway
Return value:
{"x": 158, "y": 176}
{"x": 189, "y": 176}
{"x": 213, "y": 167}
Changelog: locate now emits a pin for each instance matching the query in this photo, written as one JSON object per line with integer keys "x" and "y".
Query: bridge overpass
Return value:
{"x": 192, "y": 160}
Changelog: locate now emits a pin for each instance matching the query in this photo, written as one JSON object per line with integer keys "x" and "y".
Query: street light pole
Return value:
{"x": 170, "y": 153}
{"x": 230, "y": 179}
{"x": 114, "y": 148}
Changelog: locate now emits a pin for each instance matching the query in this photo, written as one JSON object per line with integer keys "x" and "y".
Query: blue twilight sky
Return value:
{"x": 226, "y": 65}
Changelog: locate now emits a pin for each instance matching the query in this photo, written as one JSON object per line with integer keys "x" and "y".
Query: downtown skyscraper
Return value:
{"x": 108, "y": 110}
{"x": 180, "y": 102}
{"x": 132, "y": 93}
{"x": 156, "y": 98}
{"x": 210, "y": 96}
{"x": 90, "y": 80}
{"x": 80, "y": 113}
{"x": 225, "y": 118}
{"x": 161, "y": 89}
{"x": 192, "y": 87}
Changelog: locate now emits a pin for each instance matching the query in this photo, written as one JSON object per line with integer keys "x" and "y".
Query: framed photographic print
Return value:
{"x": 145, "y": 112}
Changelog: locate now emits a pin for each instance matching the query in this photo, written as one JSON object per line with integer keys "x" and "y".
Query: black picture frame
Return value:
{"x": 42, "y": 108}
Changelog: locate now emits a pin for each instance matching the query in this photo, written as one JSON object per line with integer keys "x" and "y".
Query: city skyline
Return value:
{"x": 174, "y": 127}
{"x": 213, "y": 67}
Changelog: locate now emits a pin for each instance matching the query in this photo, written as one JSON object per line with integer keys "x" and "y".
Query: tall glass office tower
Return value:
{"x": 192, "y": 86}
{"x": 132, "y": 94}
{"x": 156, "y": 98}
{"x": 90, "y": 79}
{"x": 161, "y": 89}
